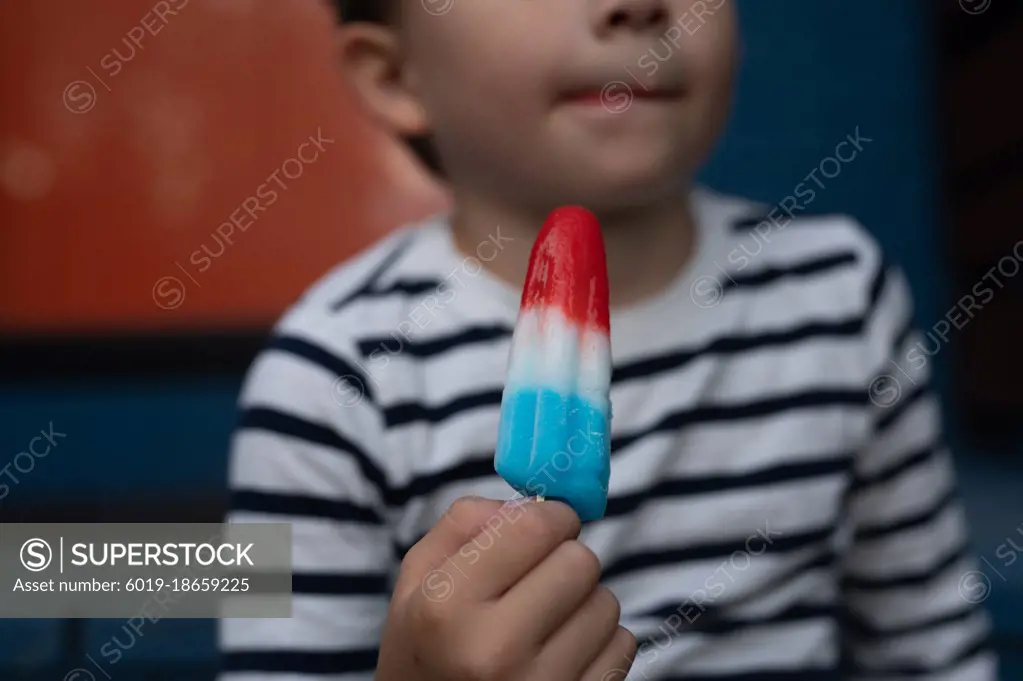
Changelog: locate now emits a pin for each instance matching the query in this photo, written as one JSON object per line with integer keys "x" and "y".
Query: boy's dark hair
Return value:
{"x": 373, "y": 11}
{"x": 379, "y": 12}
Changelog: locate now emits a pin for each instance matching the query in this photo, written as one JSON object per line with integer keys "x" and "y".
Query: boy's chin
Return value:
{"x": 627, "y": 180}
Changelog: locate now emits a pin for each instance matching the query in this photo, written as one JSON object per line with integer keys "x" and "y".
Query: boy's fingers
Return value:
{"x": 584, "y": 637}
{"x": 562, "y": 582}
{"x": 614, "y": 663}
{"x": 460, "y": 523}
{"x": 509, "y": 545}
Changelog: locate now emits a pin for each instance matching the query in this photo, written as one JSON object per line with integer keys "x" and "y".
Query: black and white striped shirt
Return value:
{"x": 781, "y": 504}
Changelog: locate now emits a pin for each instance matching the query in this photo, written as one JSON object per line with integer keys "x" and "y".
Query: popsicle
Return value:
{"x": 554, "y": 434}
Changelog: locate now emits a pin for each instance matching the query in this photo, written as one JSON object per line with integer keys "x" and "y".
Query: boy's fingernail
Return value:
{"x": 519, "y": 502}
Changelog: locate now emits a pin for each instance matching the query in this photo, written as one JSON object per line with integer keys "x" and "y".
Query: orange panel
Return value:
{"x": 181, "y": 164}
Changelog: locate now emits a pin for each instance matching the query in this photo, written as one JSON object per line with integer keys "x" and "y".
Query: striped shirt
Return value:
{"x": 781, "y": 503}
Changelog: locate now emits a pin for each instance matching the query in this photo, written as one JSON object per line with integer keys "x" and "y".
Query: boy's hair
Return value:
{"x": 372, "y": 11}
{"x": 379, "y": 12}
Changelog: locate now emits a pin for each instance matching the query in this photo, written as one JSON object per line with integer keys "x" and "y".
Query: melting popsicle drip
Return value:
{"x": 553, "y": 439}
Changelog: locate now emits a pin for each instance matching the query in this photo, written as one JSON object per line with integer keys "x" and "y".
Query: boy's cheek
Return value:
{"x": 707, "y": 40}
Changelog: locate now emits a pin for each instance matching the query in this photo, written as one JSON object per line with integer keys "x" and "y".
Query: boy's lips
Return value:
{"x": 615, "y": 91}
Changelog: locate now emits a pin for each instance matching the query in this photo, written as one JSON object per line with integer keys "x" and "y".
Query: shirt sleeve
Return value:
{"x": 911, "y": 610}
{"x": 307, "y": 450}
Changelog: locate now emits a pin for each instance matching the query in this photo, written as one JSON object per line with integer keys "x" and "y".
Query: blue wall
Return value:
{"x": 813, "y": 72}
{"x": 130, "y": 438}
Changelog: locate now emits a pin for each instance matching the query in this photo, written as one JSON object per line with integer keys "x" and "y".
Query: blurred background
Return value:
{"x": 135, "y": 288}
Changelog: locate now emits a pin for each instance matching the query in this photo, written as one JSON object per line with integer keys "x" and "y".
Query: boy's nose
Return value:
{"x": 639, "y": 16}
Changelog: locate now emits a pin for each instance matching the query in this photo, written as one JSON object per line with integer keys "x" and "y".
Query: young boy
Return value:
{"x": 780, "y": 506}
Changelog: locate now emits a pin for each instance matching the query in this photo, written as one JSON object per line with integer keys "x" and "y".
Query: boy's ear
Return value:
{"x": 371, "y": 58}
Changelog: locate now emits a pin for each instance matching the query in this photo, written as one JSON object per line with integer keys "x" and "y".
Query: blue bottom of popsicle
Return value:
{"x": 556, "y": 446}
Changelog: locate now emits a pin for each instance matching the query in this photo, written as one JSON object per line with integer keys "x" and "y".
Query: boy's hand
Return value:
{"x": 495, "y": 592}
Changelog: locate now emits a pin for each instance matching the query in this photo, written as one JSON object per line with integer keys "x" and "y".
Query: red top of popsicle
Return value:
{"x": 568, "y": 268}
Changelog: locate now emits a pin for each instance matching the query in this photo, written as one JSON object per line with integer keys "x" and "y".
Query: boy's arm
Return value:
{"x": 306, "y": 452}
{"x": 910, "y": 611}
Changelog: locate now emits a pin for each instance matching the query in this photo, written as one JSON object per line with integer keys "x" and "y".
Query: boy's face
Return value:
{"x": 607, "y": 103}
